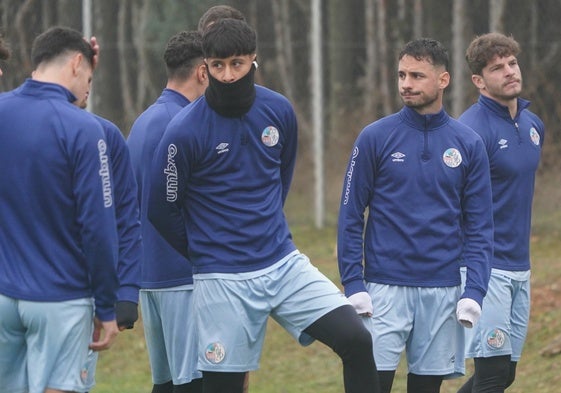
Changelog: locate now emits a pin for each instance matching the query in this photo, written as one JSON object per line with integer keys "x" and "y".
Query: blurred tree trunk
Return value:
{"x": 23, "y": 36}
{"x": 124, "y": 51}
{"x": 48, "y": 14}
{"x": 107, "y": 97}
{"x": 534, "y": 35}
{"x": 382, "y": 44}
{"x": 283, "y": 45}
{"x": 342, "y": 19}
{"x": 370, "y": 92}
{"x": 134, "y": 64}
{"x": 145, "y": 88}
{"x": 496, "y": 15}
{"x": 418, "y": 19}
{"x": 68, "y": 13}
{"x": 458, "y": 69}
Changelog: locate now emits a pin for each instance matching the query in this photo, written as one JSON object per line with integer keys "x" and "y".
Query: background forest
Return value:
{"x": 359, "y": 43}
{"x": 354, "y": 65}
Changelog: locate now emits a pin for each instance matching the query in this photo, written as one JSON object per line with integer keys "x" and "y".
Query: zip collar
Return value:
{"x": 502, "y": 110}
{"x": 174, "y": 96}
{"x": 46, "y": 90}
{"x": 424, "y": 122}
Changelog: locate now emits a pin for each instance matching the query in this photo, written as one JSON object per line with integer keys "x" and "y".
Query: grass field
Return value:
{"x": 288, "y": 368}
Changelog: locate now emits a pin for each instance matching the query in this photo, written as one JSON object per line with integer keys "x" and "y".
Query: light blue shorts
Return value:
{"x": 232, "y": 310}
{"x": 505, "y": 314}
{"x": 49, "y": 338}
{"x": 171, "y": 339}
{"x": 421, "y": 321}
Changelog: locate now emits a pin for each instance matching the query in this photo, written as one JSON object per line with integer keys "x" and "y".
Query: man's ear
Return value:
{"x": 478, "y": 81}
{"x": 76, "y": 62}
{"x": 444, "y": 80}
{"x": 202, "y": 71}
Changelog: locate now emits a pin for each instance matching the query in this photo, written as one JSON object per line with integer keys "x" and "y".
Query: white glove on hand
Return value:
{"x": 362, "y": 303}
{"x": 468, "y": 312}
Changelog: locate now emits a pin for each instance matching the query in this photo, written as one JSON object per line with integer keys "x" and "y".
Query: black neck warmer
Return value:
{"x": 231, "y": 99}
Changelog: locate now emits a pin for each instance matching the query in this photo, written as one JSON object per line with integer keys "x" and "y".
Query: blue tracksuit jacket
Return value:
{"x": 221, "y": 183}
{"x": 423, "y": 178}
{"x": 126, "y": 211}
{"x": 58, "y": 238}
{"x": 514, "y": 147}
{"x": 162, "y": 266}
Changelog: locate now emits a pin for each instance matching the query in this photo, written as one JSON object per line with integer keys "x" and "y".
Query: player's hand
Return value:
{"x": 127, "y": 314}
{"x": 362, "y": 302}
{"x": 110, "y": 331}
{"x": 468, "y": 312}
{"x": 95, "y": 46}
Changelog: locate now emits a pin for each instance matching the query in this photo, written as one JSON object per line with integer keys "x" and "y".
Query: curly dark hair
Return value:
{"x": 184, "y": 51}
{"x": 427, "y": 49}
{"x": 485, "y": 47}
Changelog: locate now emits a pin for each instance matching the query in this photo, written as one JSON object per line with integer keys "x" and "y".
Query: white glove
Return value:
{"x": 362, "y": 303}
{"x": 468, "y": 312}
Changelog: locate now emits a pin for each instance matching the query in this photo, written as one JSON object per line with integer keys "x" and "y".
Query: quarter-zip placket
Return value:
{"x": 425, "y": 156}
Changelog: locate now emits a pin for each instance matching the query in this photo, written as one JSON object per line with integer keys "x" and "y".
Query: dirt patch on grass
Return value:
{"x": 546, "y": 298}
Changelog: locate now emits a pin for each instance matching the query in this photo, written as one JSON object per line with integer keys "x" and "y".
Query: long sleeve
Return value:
{"x": 357, "y": 189}
{"x": 478, "y": 225}
{"x": 167, "y": 186}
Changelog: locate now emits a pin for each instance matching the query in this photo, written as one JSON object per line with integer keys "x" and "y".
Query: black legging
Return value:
{"x": 166, "y": 387}
{"x": 341, "y": 330}
{"x": 386, "y": 380}
{"x": 492, "y": 375}
{"x": 423, "y": 383}
{"x": 221, "y": 382}
{"x": 415, "y": 383}
{"x": 195, "y": 386}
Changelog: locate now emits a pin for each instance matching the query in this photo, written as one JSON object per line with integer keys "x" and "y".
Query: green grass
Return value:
{"x": 287, "y": 367}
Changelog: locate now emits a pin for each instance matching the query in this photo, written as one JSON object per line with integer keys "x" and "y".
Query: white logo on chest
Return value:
{"x": 398, "y": 157}
{"x": 222, "y": 148}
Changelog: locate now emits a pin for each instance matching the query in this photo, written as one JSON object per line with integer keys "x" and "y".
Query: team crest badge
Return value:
{"x": 496, "y": 339}
{"x": 215, "y": 352}
{"x": 452, "y": 157}
{"x": 270, "y": 136}
{"x": 534, "y": 136}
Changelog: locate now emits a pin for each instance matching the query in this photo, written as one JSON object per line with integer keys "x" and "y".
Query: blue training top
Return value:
{"x": 58, "y": 238}
{"x": 162, "y": 266}
{"x": 221, "y": 183}
{"x": 423, "y": 178}
{"x": 126, "y": 211}
{"x": 514, "y": 147}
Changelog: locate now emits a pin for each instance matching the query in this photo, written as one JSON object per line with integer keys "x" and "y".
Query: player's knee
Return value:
{"x": 491, "y": 374}
{"x": 343, "y": 331}
{"x": 354, "y": 339}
